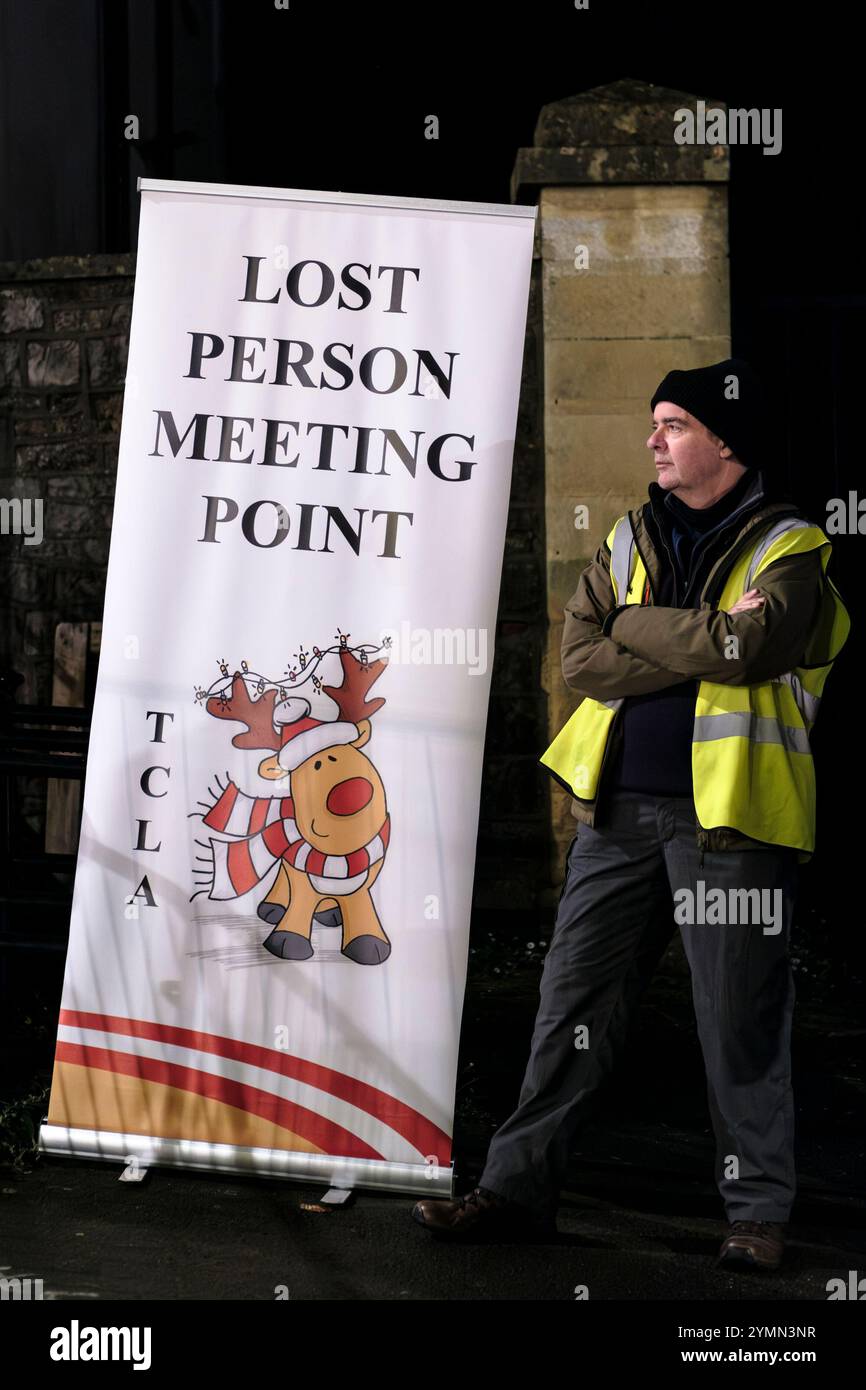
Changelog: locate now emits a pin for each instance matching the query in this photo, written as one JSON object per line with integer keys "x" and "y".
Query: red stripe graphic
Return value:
{"x": 218, "y": 816}
{"x": 260, "y": 811}
{"x": 275, "y": 838}
{"x": 331, "y": 1138}
{"x": 425, "y": 1136}
{"x": 241, "y": 869}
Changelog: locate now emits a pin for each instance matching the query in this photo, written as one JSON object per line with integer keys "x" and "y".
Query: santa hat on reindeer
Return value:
{"x": 302, "y": 735}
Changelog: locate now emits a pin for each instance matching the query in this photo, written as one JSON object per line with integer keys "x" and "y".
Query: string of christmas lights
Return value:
{"x": 305, "y": 670}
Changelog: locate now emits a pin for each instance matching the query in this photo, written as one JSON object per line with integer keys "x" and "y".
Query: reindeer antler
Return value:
{"x": 351, "y": 696}
{"x": 258, "y": 715}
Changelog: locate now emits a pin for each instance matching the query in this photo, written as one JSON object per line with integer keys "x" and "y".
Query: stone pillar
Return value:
{"x": 634, "y": 244}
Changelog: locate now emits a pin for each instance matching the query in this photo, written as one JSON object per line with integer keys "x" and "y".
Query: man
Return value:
{"x": 701, "y": 636}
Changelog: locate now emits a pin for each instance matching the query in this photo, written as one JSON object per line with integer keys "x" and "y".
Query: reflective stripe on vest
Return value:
{"x": 807, "y": 704}
{"x": 780, "y": 528}
{"x": 746, "y": 724}
{"x": 620, "y": 558}
{"x": 621, "y": 552}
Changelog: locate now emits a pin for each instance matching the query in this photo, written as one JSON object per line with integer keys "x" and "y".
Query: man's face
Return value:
{"x": 688, "y": 457}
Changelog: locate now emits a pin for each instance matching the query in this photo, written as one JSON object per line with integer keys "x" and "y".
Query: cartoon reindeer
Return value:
{"x": 328, "y": 826}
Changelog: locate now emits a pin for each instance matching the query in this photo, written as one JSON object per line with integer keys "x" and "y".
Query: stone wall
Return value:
{"x": 63, "y": 344}
{"x": 653, "y": 297}
{"x": 517, "y": 880}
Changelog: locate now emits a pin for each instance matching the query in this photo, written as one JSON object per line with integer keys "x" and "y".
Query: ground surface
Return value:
{"x": 639, "y": 1219}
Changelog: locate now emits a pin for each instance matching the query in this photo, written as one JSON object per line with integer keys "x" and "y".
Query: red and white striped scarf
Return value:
{"x": 270, "y": 832}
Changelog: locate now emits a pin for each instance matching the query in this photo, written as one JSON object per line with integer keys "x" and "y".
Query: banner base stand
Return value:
{"x": 144, "y": 1151}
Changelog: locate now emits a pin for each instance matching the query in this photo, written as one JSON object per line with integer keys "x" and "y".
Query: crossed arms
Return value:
{"x": 610, "y": 652}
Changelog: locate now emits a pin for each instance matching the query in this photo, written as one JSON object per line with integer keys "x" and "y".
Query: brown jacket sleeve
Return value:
{"x": 770, "y": 640}
{"x": 593, "y": 664}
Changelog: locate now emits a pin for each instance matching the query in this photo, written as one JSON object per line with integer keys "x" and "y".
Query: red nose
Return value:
{"x": 350, "y": 796}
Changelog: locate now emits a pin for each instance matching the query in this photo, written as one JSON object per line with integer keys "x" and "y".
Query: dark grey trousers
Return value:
{"x": 630, "y": 882}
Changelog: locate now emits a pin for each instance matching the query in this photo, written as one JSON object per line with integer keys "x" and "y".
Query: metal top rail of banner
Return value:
{"x": 306, "y": 195}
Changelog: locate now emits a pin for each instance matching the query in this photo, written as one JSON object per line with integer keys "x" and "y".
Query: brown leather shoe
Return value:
{"x": 480, "y": 1213}
{"x": 753, "y": 1244}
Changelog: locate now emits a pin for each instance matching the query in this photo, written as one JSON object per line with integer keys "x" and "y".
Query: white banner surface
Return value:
{"x": 270, "y": 923}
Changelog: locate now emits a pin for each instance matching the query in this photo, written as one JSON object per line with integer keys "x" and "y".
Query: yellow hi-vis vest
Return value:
{"x": 752, "y": 766}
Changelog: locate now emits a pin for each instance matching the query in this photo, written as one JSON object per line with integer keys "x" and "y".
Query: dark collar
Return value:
{"x": 744, "y": 497}
{"x": 697, "y": 521}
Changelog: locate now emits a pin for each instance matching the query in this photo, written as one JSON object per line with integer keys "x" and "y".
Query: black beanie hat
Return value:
{"x": 728, "y": 398}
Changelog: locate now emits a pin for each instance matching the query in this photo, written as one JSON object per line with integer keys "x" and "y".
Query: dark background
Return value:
{"x": 335, "y": 97}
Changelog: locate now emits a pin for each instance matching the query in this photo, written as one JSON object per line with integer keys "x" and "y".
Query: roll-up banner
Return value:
{"x": 270, "y": 921}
